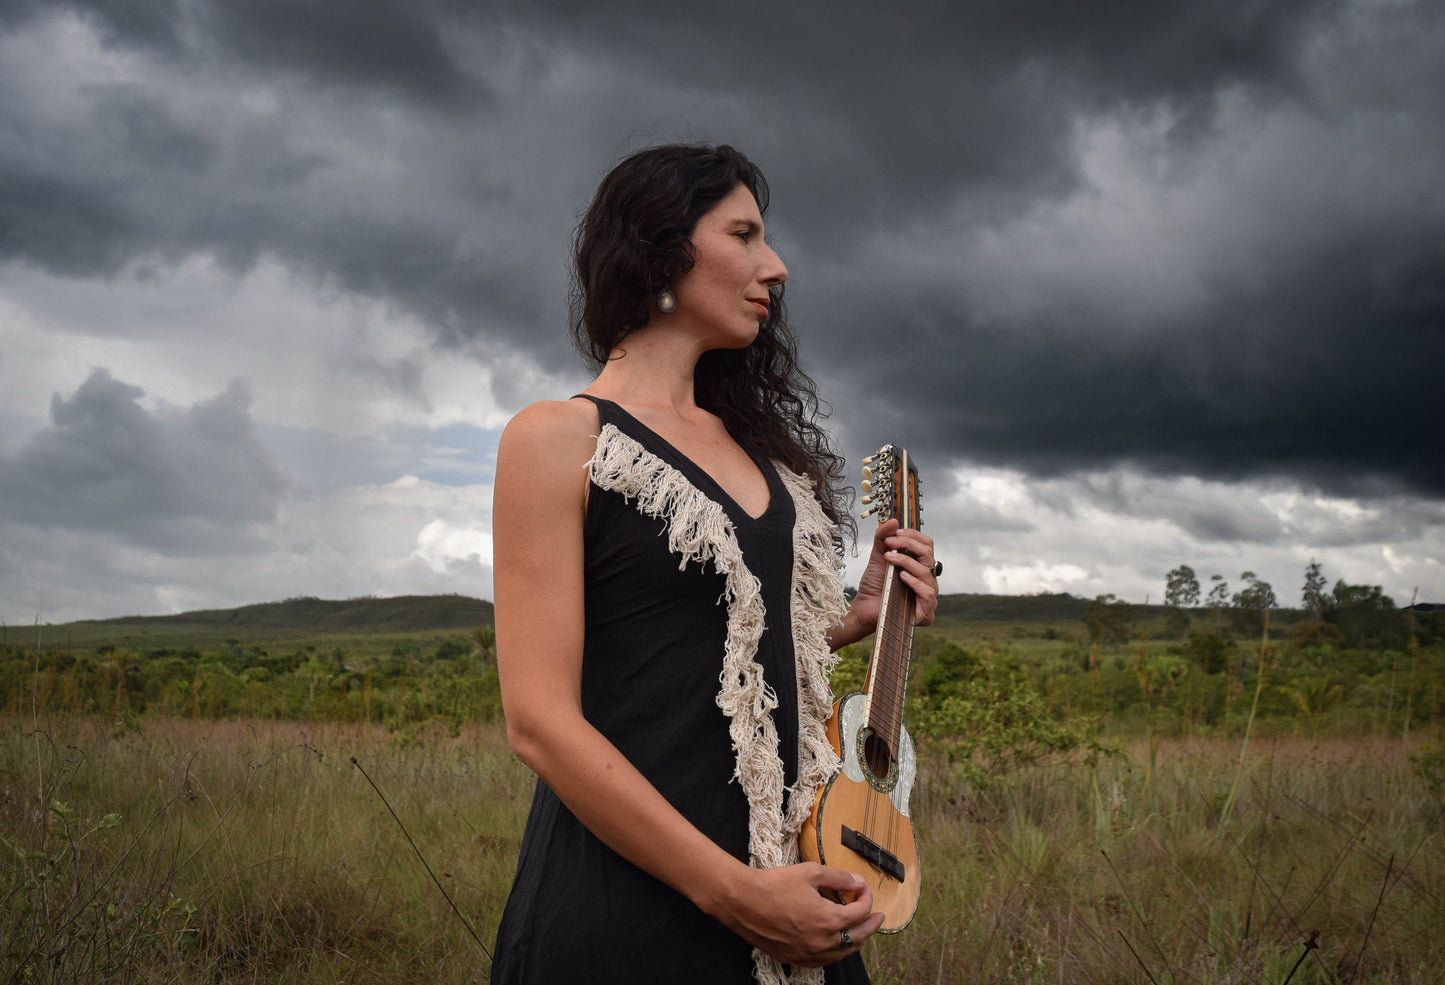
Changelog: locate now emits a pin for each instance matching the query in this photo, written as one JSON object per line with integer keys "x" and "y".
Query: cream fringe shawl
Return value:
{"x": 700, "y": 531}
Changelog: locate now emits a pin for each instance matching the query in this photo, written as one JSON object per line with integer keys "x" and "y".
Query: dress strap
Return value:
{"x": 607, "y": 410}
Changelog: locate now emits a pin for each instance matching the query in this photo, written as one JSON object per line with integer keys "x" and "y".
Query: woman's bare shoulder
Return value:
{"x": 556, "y": 418}
{"x": 562, "y": 432}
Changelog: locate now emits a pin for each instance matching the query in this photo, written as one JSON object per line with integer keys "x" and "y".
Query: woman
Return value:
{"x": 667, "y": 599}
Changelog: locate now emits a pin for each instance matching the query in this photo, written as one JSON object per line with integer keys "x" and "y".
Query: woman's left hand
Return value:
{"x": 911, "y": 552}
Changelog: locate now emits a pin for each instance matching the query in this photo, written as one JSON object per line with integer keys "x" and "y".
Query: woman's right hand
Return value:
{"x": 792, "y": 912}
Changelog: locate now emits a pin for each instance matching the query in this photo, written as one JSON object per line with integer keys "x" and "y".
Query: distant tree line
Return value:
{"x": 1350, "y": 614}
{"x": 1347, "y": 660}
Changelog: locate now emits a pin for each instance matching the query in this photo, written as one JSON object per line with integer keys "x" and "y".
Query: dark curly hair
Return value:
{"x": 634, "y": 240}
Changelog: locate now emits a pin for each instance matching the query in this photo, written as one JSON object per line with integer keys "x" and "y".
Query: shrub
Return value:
{"x": 988, "y": 719}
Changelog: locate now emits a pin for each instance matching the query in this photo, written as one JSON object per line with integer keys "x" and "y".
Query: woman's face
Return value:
{"x": 725, "y": 294}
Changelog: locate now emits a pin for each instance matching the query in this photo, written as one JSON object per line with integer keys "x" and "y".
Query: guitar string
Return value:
{"x": 898, "y": 635}
{"x": 903, "y": 632}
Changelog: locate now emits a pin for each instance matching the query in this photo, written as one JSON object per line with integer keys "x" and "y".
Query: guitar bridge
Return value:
{"x": 874, "y": 853}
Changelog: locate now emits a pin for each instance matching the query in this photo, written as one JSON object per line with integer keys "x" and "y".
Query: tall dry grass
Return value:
{"x": 235, "y": 852}
{"x": 1122, "y": 872}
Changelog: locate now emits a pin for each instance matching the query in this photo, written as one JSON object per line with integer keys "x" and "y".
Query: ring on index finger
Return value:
{"x": 937, "y": 568}
{"x": 847, "y": 937}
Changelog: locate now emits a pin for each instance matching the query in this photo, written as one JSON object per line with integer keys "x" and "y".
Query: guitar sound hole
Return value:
{"x": 877, "y": 755}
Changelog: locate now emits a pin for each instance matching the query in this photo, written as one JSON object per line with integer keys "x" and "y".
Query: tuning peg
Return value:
{"x": 867, "y": 472}
{"x": 866, "y": 500}
{"x": 869, "y": 460}
{"x": 867, "y": 486}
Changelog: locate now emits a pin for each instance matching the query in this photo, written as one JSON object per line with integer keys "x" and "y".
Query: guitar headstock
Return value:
{"x": 890, "y": 487}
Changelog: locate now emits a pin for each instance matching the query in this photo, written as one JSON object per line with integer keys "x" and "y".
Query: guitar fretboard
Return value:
{"x": 888, "y": 674}
{"x": 893, "y": 640}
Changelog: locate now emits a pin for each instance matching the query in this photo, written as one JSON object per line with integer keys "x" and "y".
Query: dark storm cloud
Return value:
{"x": 933, "y": 126}
{"x": 394, "y": 46}
{"x": 61, "y": 226}
{"x": 175, "y": 480}
{"x": 397, "y": 46}
{"x": 149, "y": 135}
{"x": 142, "y": 178}
{"x": 1328, "y": 373}
{"x": 864, "y": 113}
{"x": 927, "y": 106}
{"x": 143, "y": 23}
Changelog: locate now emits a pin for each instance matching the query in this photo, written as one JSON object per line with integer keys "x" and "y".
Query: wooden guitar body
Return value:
{"x": 861, "y": 821}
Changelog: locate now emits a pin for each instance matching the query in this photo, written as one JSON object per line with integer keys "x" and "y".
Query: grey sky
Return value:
{"x": 1141, "y": 284}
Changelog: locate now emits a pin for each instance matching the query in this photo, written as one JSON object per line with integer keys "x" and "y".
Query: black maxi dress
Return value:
{"x": 578, "y": 911}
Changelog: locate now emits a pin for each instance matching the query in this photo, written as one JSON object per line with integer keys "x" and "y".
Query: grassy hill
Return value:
{"x": 1058, "y": 608}
{"x": 370, "y": 624}
{"x": 962, "y": 615}
{"x": 447, "y": 613}
{"x": 404, "y": 613}
{"x": 362, "y": 624}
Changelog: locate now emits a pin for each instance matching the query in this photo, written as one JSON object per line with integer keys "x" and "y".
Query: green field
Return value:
{"x": 1106, "y": 796}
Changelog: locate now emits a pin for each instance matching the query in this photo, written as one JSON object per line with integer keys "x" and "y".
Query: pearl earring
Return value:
{"x": 666, "y": 301}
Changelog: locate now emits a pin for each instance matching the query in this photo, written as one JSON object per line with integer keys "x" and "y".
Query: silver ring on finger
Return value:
{"x": 937, "y": 568}
{"x": 847, "y": 937}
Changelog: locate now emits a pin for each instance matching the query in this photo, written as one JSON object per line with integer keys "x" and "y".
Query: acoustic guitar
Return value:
{"x": 860, "y": 820}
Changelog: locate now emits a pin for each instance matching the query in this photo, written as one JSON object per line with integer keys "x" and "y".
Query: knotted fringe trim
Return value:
{"x": 699, "y": 530}
{"x": 817, "y": 605}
